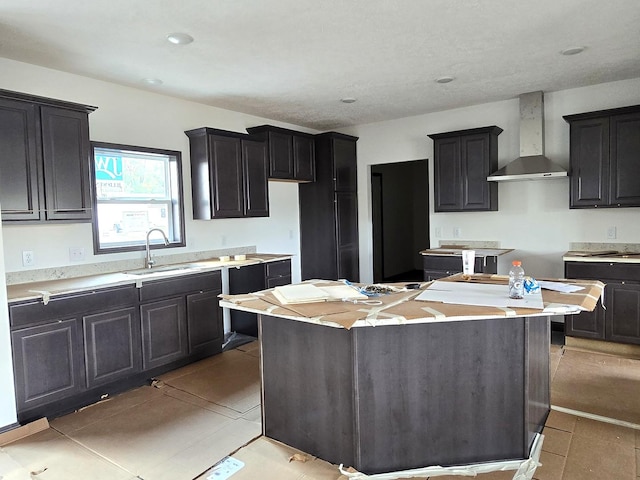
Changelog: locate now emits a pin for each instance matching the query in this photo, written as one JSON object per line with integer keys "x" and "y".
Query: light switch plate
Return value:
{"x": 611, "y": 233}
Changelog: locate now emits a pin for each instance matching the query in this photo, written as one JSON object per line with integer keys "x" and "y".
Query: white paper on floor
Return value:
{"x": 224, "y": 468}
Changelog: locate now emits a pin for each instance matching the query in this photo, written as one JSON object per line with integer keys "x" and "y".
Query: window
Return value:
{"x": 136, "y": 189}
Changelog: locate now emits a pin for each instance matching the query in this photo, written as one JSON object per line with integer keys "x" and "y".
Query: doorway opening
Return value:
{"x": 400, "y": 216}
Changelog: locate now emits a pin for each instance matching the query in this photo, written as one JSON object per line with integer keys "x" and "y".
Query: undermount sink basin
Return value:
{"x": 163, "y": 270}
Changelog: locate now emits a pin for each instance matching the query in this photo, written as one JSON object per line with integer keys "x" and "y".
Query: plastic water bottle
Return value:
{"x": 516, "y": 280}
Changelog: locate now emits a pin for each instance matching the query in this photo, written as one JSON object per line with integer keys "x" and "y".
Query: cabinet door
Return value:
{"x": 19, "y": 159}
{"x": 164, "y": 332}
{"x": 346, "y": 214}
{"x": 625, "y": 159}
{"x": 430, "y": 275}
{"x": 586, "y": 324}
{"x": 65, "y": 151}
{"x": 250, "y": 278}
{"x": 280, "y": 155}
{"x": 227, "y": 191}
{"x": 255, "y": 164}
{"x": 344, "y": 165}
{"x": 447, "y": 188}
{"x": 112, "y": 345}
{"x": 589, "y": 159}
{"x": 474, "y": 169}
{"x": 204, "y": 323}
{"x": 304, "y": 167}
{"x": 623, "y": 312}
{"x": 47, "y": 363}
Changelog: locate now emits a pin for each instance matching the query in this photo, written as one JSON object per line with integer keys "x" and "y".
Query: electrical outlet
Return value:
{"x": 27, "y": 258}
{"x": 438, "y": 232}
{"x": 76, "y": 254}
{"x": 611, "y": 233}
{"x": 457, "y": 232}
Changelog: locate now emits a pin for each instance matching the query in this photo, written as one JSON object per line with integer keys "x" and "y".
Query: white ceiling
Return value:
{"x": 293, "y": 60}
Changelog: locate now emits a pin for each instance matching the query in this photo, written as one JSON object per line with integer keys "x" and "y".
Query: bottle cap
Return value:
{"x": 516, "y": 263}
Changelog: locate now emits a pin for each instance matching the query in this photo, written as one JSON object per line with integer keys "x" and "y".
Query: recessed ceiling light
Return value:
{"x": 445, "y": 79}
{"x": 572, "y": 50}
{"x": 348, "y": 100}
{"x": 152, "y": 81}
{"x": 180, "y": 38}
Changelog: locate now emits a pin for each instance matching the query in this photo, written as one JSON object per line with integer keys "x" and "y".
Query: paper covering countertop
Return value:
{"x": 402, "y": 308}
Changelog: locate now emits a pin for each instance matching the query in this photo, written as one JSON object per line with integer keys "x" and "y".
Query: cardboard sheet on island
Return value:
{"x": 403, "y": 308}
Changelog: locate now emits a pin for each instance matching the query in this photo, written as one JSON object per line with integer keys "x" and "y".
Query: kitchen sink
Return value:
{"x": 163, "y": 270}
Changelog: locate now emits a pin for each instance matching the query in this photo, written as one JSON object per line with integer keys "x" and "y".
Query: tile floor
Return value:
{"x": 192, "y": 417}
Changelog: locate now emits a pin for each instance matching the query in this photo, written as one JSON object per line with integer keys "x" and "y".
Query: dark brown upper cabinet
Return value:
{"x": 291, "y": 153}
{"x": 228, "y": 174}
{"x": 605, "y": 158}
{"x": 44, "y": 159}
{"x": 462, "y": 162}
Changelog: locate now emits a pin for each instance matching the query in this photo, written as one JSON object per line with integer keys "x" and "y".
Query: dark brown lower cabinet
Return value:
{"x": 112, "y": 345}
{"x": 623, "y": 312}
{"x": 440, "y": 266}
{"x": 619, "y": 321}
{"x": 204, "y": 323}
{"x": 254, "y": 278}
{"x": 164, "y": 332}
{"x": 586, "y": 324}
{"x": 74, "y": 349}
{"x": 48, "y": 363}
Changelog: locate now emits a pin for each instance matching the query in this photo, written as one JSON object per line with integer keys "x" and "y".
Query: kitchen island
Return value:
{"x": 407, "y": 384}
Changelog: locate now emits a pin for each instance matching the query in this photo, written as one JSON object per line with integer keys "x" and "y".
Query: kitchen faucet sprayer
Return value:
{"x": 151, "y": 262}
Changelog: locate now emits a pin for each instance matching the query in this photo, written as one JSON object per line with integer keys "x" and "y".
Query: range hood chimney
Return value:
{"x": 531, "y": 164}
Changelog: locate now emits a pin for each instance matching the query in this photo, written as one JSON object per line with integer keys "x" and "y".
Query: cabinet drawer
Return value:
{"x": 37, "y": 313}
{"x": 181, "y": 285}
{"x": 276, "y": 282}
{"x": 452, "y": 263}
{"x": 626, "y": 272}
{"x": 278, "y": 269}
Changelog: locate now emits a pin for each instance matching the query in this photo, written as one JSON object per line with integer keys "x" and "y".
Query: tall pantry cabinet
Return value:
{"x": 329, "y": 211}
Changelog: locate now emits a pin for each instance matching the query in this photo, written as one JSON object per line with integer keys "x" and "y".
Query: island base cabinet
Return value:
{"x": 51, "y": 363}
{"x": 112, "y": 348}
{"x": 407, "y": 396}
{"x": 164, "y": 332}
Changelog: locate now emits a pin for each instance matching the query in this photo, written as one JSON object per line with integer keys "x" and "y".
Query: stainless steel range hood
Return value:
{"x": 531, "y": 164}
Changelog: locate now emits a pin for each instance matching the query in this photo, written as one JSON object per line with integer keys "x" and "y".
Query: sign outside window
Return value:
{"x": 109, "y": 176}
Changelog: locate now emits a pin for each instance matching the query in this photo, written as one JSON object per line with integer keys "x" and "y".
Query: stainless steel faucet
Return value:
{"x": 151, "y": 262}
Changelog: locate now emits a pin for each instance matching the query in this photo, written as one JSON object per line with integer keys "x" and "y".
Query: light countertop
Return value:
{"x": 47, "y": 288}
{"x": 601, "y": 257}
